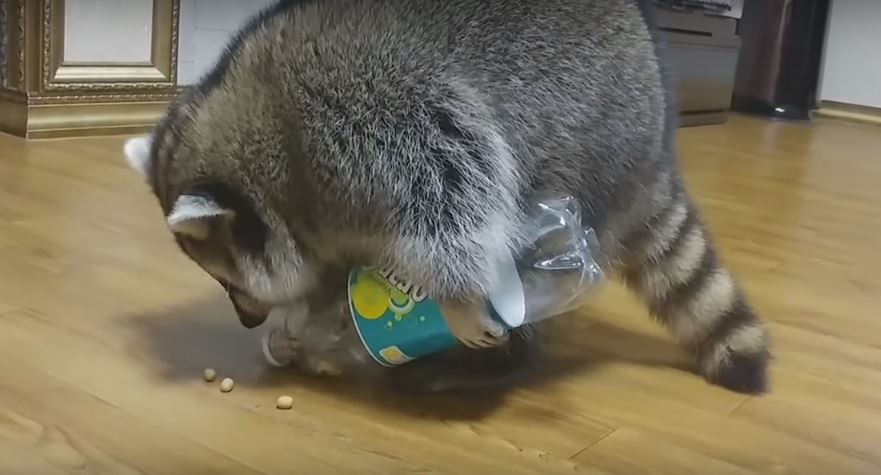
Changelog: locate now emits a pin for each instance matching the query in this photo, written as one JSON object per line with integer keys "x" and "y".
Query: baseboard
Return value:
{"x": 75, "y": 120}
{"x": 691, "y": 119}
{"x": 849, "y": 112}
{"x": 13, "y": 112}
{"x": 39, "y": 121}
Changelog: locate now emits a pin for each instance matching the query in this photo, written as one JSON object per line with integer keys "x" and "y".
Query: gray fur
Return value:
{"x": 410, "y": 133}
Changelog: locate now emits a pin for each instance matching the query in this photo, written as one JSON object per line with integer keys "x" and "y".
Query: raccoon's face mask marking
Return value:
{"x": 204, "y": 230}
{"x": 252, "y": 257}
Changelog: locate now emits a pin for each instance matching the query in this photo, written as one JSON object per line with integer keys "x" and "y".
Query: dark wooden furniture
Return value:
{"x": 779, "y": 68}
{"x": 704, "y": 49}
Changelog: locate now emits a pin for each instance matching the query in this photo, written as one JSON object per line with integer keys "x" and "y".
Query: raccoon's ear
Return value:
{"x": 192, "y": 215}
{"x": 137, "y": 153}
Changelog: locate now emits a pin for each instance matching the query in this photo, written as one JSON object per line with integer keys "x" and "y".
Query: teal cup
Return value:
{"x": 398, "y": 322}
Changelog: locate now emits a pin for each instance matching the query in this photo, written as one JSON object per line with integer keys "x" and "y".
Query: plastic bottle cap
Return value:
{"x": 506, "y": 295}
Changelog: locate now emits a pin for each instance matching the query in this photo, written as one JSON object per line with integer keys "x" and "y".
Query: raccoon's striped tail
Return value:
{"x": 674, "y": 267}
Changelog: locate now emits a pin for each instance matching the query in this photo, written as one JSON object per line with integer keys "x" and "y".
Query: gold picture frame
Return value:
{"x": 4, "y": 40}
{"x": 46, "y": 96}
{"x": 158, "y": 73}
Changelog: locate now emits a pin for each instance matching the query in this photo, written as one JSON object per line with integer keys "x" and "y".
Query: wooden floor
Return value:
{"x": 105, "y": 329}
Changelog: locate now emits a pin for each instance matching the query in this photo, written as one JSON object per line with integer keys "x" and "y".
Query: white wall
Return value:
{"x": 205, "y": 28}
{"x": 102, "y": 31}
{"x": 852, "y": 58}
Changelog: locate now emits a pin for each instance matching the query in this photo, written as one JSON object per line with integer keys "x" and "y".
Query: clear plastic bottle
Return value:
{"x": 392, "y": 322}
{"x": 280, "y": 346}
{"x": 556, "y": 269}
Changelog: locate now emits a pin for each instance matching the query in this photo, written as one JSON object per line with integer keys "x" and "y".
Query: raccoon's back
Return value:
{"x": 572, "y": 89}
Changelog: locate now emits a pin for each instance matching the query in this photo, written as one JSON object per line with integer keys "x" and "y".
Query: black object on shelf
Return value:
{"x": 779, "y": 66}
{"x": 709, "y": 6}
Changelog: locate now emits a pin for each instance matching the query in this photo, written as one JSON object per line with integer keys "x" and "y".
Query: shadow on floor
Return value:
{"x": 181, "y": 342}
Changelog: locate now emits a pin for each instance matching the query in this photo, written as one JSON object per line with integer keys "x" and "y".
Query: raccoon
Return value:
{"x": 410, "y": 133}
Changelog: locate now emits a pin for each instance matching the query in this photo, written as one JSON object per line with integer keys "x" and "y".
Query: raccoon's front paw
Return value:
{"x": 473, "y": 326}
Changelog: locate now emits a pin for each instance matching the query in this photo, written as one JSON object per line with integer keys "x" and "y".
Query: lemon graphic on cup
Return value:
{"x": 400, "y": 303}
{"x": 370, "y": 299}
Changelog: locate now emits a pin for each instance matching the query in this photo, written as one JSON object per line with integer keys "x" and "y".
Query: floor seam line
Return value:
{"x": 733, "y": 410}
{"x": 576, "y": 454}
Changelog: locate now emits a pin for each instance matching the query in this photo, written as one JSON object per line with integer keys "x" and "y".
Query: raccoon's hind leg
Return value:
{"x": 673, "y": 265}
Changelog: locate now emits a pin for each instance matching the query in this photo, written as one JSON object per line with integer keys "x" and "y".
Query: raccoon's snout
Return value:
{"x": 251, "y": 313}
{"x": 248, "y": 319}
